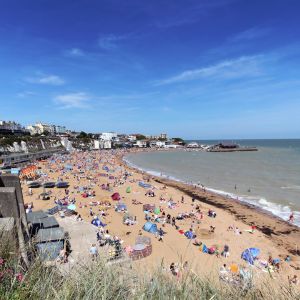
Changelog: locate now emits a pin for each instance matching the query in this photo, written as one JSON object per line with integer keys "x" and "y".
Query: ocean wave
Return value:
{"x": 291, "y": 187}
{"x": 281, "y": 211}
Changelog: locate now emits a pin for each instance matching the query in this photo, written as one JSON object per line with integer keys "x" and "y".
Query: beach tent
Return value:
{"x": 150, "y": 227}
{"x": 116, "y": 196}
{"x": 128, "y": 216}
{"x": 250, "y": 254}
{"x": 144, "y": 185}
{"x": 204, "y": 249}
{"x": 121, "y": 207}
{"x": 68, "y": 167}
{"x": 105, "y": 168}
{"x": 157, "y": 211}
{"x": 128, "y": 190}
{"x": 148, "y": 207}
{"x": 189, "y": 234}
{"x": 97, "y": 223}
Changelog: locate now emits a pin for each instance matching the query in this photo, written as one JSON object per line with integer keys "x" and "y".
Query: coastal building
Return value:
{"x": 33, "y": 129}
{"x": 141, "y": 144}
{"x": 164, "y": 136}
{"x": 60, "y": 129}
{"x": 132, "y": 138}
{"x": 160, "y": 144}
{"x": 43, "y": 128}
{"x": 105, "y": 144}
{"x": 173, "y": 146}
{"x": 108, "y": 136}
{"x": 11, "y": 127}
{"x": 193, "y": 145}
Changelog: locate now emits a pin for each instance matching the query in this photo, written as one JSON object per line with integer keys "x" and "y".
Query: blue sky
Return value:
{"x": 191, "y": 68}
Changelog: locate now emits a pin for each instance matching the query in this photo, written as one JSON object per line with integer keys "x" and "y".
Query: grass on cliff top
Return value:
{"x": 97, "y": 280}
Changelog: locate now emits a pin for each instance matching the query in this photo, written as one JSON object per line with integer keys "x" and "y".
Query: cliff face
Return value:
{"x": 28, "y": 144}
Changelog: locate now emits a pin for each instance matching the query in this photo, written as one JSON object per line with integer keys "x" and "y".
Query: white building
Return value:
{"x": 132, "y": 138}
{"x": 10, "y": 126}
{"x": 108, "y": 136}
{"x": 163, "y": 136}
{"x": 60, "y": 129}
{"x": 141, "y": 144}
{"x": 33, "y": 129}
{"x": 173, "y": 146}
{"x": 160, "y": 144}
{"x": 193, "y": 145}
{"x": 96, "y": 144}
{"x": 42, "y": 128}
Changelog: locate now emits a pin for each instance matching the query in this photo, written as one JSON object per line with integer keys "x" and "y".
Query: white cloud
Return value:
{"x": 110, "y": 42}
{"x": 73, "y": 100}
{"x": 46, "y": 79}
{"x": 242, "y": 66}
{"x": 252, "y": 33}
{"x": 26, "y": 94}
{"x": 76, "y": 52}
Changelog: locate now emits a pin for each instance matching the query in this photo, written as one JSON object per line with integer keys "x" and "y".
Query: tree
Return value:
{"x": 82, "y": 135}
{"x": 140, "y": 137}
{"x": 46, "y": 133}
{"x": 178, "y": 140}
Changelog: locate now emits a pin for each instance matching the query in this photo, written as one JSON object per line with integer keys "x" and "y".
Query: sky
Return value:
{"x": 197, "y": 69}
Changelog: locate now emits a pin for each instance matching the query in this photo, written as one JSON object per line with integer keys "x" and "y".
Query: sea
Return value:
{"x": 268, "y": 178}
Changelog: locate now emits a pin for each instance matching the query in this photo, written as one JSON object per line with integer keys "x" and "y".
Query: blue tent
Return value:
{"x": 144, "y": 185}
{"x": 150, "y": 227}
{"x": 250, "y": 254}
{"x": 204, "y": 249}
{"x": 189, "y": 235}
{"x": 121, "y": 206}
{"x": 98, "y": 223}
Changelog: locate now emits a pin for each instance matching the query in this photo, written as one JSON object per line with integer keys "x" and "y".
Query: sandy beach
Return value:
{"x": 232, "y": 225}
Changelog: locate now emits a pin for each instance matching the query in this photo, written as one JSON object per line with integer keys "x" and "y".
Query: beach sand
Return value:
{"x": 273, "y": 236}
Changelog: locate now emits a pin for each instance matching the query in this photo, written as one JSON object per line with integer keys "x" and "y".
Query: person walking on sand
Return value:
{"x": 291, "y": 218}
{"x": 94, "y": 252}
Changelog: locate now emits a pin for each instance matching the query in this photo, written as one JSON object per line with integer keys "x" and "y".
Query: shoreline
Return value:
{"x": 272, "y": 209}
{"x": 281, "y": 232}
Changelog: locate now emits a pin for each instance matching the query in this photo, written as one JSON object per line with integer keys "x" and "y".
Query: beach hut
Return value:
{"x": 34, "y": 185}
{"x": 116, "y": 197}
{"x": 250, "y": 255}
{"x": 62, "y": 184}
{"x": 49, "y": 184}
{"x": 150, "y": 227}
{"x": 49, "y": 243}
